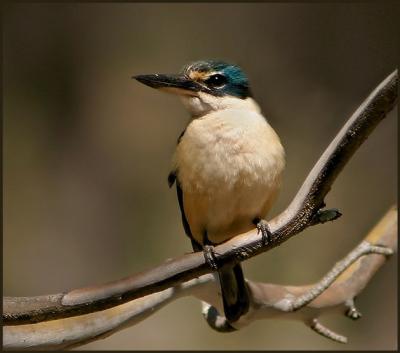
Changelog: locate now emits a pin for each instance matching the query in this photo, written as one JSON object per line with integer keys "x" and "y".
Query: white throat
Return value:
{"x": 205, "y": 103}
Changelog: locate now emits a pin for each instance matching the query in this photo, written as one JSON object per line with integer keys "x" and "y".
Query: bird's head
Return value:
{"x": 204, "y": 86}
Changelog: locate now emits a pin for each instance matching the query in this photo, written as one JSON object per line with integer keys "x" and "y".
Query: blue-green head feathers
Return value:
{"x": 219, "y": 78}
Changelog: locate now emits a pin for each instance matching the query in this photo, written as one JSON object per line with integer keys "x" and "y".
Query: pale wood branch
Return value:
{"x": 268, "y": 302}
{"x": 301, "y": 213}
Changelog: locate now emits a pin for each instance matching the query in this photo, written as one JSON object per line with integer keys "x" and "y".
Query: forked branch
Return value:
{"x": 269, "y": 301}
{"x": 335, "y": 291}
{"x": 303, "y": 211}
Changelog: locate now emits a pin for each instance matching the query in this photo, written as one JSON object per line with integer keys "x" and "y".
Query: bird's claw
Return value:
{"x": 209, "y": 255}
{"x": 263, "y": 227}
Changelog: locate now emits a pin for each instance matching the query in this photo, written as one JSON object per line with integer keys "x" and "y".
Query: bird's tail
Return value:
{"x": 234, "y": 291}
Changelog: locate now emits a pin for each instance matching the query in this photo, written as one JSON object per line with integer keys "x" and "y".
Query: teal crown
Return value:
{"x": 225, "y": 79}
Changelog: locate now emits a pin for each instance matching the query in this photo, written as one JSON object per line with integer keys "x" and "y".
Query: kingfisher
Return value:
{"x": 227, "y": 166}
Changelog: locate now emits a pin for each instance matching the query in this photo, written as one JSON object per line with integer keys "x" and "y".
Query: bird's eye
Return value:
{"x": 216, "y": 80}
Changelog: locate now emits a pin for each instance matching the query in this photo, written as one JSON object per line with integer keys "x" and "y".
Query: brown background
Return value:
{"x": 87, "y": 151}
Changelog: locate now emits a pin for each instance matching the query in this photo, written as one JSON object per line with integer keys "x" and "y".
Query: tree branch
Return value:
{"x": 266, "y": 302}
{"x": 300, "y": 214}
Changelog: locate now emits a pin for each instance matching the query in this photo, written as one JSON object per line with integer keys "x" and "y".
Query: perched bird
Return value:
{"x": 227, "y": 165}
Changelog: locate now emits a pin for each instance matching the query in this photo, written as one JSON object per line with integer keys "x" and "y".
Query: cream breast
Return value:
{"x": 226, "y": 148}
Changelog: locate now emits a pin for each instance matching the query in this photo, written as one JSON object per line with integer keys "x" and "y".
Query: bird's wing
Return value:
{"x": 172, "y": 174}
{"x": 179, "y": 192}
{"x": 173, "y": 178}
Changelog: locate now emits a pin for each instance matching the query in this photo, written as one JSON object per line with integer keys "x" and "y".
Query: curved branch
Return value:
{"x": 266, "y": 303}
{"x": 299, "y": 215}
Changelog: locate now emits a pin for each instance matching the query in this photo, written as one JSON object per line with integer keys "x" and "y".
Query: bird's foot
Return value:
{"x": 209, "y": 255}
{"x": 263, "y": 227}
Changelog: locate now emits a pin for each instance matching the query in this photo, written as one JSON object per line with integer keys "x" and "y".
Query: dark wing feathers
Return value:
{"x": 171, "y": 178}
{"x": 180, "y": 136}
{"x": 185, "y": 222}
{"x": 172, "y": 175}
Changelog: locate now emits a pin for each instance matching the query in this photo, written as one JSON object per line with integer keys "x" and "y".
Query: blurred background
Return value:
{"x": 87, "y": 151}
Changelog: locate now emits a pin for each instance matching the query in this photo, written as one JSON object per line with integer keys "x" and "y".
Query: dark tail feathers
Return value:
{"x": 234, "y": 290}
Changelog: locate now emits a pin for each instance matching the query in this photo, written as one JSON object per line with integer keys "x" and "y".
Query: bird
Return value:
{"x": 227, "y": 166}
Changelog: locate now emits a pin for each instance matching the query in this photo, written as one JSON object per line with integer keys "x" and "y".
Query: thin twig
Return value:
{"x": 326, "y": 332}
{"x": 362, "y": 249}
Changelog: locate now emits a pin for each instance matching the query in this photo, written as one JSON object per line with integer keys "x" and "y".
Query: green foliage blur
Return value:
{"x": 87, "y": 151}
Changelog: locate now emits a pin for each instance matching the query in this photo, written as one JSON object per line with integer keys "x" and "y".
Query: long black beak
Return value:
{"x": 174, "y": 83}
